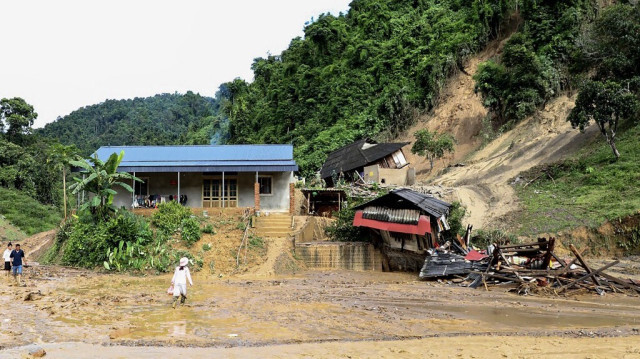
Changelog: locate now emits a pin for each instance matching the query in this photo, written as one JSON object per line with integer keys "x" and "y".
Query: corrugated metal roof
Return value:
{"x": 404, "y": 198}
{"x": 207, "y": 158}
{"x": 356, "y": 155}
{"x": 401, "y": 215}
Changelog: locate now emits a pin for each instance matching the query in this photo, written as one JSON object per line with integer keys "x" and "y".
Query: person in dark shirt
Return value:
{"x": 17, "y": 258}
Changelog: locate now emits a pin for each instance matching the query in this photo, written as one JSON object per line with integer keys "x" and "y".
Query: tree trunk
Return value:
{"x": 612, "y": 143}
{"x": 431, "y": 162}
{"x": 64, "y": 191}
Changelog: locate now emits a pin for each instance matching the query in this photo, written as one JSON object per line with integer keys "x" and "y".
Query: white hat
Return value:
{"x": 184, "y": 261}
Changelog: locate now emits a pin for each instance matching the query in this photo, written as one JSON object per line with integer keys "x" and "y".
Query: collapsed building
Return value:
{"x": 369, "y": 162}
{"x": 404, "y": 225}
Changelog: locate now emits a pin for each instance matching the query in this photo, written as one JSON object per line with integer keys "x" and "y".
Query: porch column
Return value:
{"x": 222, "y": 189}
{"x": 133, "y": 195}
{"x": 178, "y": 199}
{"x": 256, "y": 193}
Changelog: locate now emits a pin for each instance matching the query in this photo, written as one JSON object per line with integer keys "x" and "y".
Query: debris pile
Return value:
{"x": 531, "y": 267}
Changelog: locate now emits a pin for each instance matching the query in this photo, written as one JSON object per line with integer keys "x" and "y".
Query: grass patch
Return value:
{"x": 585, "y": 190}
{"x": 27, "y": 213}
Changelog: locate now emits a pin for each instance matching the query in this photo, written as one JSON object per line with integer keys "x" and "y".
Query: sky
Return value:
{"x": 62, "y": 55}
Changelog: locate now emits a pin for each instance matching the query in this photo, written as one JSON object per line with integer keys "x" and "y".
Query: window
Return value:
{"x": 265, "y": 185}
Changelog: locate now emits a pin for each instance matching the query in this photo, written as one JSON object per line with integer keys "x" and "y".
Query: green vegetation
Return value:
{"x": 9, "y": 232}
{"x": 432, "y": 145}
{"x": 362, "y": 74}
{"x": 537, "y": 62}
{"x": 169, "y": 216}
{"x": 100, "y": 178}
{"x": 26, "y": 213}
{"x": 483, "y": 238}
{"x": 342, "y": 229}
{"x": 190, "y": 230}
{"x": 456, "y": 214}
{"x": 586, "y": 190}
{"x": 159, "y": 120}
{"x": 208, "y": 229}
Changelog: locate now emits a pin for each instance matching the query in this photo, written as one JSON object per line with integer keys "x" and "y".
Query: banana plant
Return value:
{"x": 100, "y": 178}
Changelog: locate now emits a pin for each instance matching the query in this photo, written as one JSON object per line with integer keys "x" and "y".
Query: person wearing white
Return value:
{"x": 7, "y": 259}
{"x": 179, "y": 281}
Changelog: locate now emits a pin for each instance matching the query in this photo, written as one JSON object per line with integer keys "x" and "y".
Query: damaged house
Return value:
{"x": 371, "y": 162}
{"x": 404, "y": 224}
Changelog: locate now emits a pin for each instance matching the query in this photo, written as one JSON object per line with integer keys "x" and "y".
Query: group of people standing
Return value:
{"x": 13, "y": 262}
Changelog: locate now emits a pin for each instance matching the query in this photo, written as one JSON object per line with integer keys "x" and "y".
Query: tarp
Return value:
{"x": 423, "y": 227}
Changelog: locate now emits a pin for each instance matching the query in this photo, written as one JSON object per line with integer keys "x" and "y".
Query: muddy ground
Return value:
{"x": 337, "y": 312}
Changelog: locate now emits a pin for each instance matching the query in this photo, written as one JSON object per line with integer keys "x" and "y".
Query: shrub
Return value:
{"x": 255, "y": 241}
{"x": 206, "y": 247}
{"x": 485, "y": 237}
{"x": 190, "y": 230}
{"x": 456, "y": 214}
{"x": 208, "y": 229}
{"x": 169, "y": 216}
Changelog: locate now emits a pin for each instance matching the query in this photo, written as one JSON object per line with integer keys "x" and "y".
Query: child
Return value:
{"x": 7, "y": 259}
{"x": 179, "y": 282}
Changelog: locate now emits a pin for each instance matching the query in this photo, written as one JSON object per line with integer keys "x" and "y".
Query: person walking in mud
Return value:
{"x": 17, "y": 258}
{"x": 7, "y": 259}
{"x": 179, "y": 282}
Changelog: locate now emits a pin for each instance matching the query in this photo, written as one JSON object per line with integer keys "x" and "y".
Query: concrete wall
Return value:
{"x": 277, "y": 201}
{"x": 389, "y": 176}
{"x": 339, "y": 255}
{"x": 191, "y": 185}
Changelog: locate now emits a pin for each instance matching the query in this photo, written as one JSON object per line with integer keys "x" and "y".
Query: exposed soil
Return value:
{"x": 353, "y": 308}
{"x": 481, "y": 183}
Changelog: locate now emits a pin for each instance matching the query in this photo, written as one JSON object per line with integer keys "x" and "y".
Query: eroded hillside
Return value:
{"x": 482, "y": 179}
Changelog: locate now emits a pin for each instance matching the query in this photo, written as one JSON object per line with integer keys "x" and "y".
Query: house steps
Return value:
{"x": 273, "y": 226}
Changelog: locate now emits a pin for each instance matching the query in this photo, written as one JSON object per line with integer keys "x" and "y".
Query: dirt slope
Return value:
{"x": 482, "y": 184}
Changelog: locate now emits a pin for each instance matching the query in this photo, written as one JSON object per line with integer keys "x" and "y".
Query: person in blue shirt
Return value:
{"x": 17, "y": 258}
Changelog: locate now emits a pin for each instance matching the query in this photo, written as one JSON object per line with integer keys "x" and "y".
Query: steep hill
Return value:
{"x": 157, "y": 120}
{"x": 368, "y": 72}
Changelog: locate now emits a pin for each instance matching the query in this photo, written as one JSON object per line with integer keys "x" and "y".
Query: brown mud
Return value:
{"x": 87, "y": 309}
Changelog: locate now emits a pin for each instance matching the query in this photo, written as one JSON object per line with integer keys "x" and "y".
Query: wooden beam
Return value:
{"x": 584, "y": 264}
{"x": 592, "y": 274}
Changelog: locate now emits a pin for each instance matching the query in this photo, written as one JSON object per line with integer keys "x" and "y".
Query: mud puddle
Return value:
{"x": 312, "y": 307}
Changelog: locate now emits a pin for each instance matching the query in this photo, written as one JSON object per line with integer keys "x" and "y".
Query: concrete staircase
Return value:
{"x": 273, "y": 225}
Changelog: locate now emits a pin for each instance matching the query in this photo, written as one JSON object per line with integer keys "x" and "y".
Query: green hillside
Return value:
{"x": 365, "y": 73}
{"x": 158, "y": 120}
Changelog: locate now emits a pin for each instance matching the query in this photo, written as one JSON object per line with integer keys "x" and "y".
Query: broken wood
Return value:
{"x": 588, "y": 275}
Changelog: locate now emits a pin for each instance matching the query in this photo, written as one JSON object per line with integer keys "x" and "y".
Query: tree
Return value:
{"x": 432, "y": 145}
{"x": 19, "y": 115}
{"x": 60, "y": 158}
{"x": 605, "y": 103}
{"x": 100, "y": 179}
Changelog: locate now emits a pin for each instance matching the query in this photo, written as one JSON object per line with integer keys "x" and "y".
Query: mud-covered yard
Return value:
{"x": 334, "y": 313}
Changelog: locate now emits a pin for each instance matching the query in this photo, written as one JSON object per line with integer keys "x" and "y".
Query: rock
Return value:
{"x": 36, "y": 351}
{"x": 33, "y": 296}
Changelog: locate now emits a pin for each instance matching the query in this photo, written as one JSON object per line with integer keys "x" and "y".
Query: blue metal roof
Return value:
{"x": 206, "y": 158}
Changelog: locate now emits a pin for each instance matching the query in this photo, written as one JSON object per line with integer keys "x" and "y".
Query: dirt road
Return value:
{"x": 330, "y": 311}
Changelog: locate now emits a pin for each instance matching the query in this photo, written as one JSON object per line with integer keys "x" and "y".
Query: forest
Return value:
{"x": 367, "y": 73}
{"x": 164, "y": 119}
{"x": 373, "y": 71}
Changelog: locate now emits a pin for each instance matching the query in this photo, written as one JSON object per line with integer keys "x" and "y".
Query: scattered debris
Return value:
{"x": 533, "y": 268}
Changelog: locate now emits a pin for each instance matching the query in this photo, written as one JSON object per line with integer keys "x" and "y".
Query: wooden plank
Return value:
{"x": 591, "y": 274}
{"x": 532, "y": 244}
{"x": 622, "y": 282}
{"x": 584, "y": 264}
